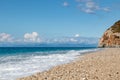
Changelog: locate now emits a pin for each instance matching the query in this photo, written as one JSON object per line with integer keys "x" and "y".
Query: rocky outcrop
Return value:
{"x": 111, "y": 37}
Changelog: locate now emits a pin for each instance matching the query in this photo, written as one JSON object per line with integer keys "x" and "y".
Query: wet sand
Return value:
{"x": 100, "y": 65}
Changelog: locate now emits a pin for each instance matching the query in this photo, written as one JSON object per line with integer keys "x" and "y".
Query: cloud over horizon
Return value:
{"x": 32, "y": 37}
{"x": 77, "y": 35}
{"x": 4, "y": 37}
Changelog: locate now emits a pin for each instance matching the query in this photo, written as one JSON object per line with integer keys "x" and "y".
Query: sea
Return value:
{"x": 16, "y": 62}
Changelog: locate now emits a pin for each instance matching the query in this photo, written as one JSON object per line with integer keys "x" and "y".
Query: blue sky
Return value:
{"x": 41, "y": 19}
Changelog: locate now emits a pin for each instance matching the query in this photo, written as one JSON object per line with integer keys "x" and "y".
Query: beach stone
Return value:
{"x": 106, "y": 66}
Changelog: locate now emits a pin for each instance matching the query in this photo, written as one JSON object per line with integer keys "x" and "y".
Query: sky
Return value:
{"x": 43, "y": 20}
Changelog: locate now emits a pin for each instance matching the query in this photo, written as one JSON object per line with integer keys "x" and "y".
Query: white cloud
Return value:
{"x": 35, "y": 38}
{"x": 77, "y": 35}
{"x": 90, "y": 6}
{"x": 73, "y": 40}
{"x": 4, "y": 37}
{"x": 32, "y": 37}
{"x": 89, "y": 11}
{"x": 65, "y": 4}
{"x": 106, "y": 9}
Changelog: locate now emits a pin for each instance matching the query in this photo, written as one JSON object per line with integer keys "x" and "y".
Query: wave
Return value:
{"x": 12, "y": 67}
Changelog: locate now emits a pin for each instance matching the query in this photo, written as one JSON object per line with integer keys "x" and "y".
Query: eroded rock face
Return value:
{"x": 111, "y": 37}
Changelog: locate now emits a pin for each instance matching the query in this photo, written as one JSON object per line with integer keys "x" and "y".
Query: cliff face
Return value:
{"x": 111, "y": 37}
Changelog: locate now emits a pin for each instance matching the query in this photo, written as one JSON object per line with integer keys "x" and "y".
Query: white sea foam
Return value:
{"x": 12, "y": 67}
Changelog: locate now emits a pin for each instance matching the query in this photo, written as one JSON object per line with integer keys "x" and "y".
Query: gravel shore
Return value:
{"x": 100, "y": 65}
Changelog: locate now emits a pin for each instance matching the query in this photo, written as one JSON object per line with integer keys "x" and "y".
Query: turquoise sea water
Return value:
{"x": 17, "y": 62}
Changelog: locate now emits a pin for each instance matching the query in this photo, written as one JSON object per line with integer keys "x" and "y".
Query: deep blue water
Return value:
{"x": 28, "y": 50}
{"x": 18, "y": 62}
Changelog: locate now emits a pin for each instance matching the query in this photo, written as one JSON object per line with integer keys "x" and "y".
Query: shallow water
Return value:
{"x": 19, "y": 62}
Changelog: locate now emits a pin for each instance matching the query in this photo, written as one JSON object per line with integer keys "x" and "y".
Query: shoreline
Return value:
{"x": 99, "y": 65}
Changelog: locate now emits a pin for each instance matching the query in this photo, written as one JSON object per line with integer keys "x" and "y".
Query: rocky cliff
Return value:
{"x": 111, "y": 37}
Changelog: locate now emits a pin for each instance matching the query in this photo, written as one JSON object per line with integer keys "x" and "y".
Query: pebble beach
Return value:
{"x": 100, "y": 65}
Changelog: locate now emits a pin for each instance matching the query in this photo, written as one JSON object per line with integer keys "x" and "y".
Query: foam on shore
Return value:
{"x": 101, "y": 65}
{"x": 12, "y": 67}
